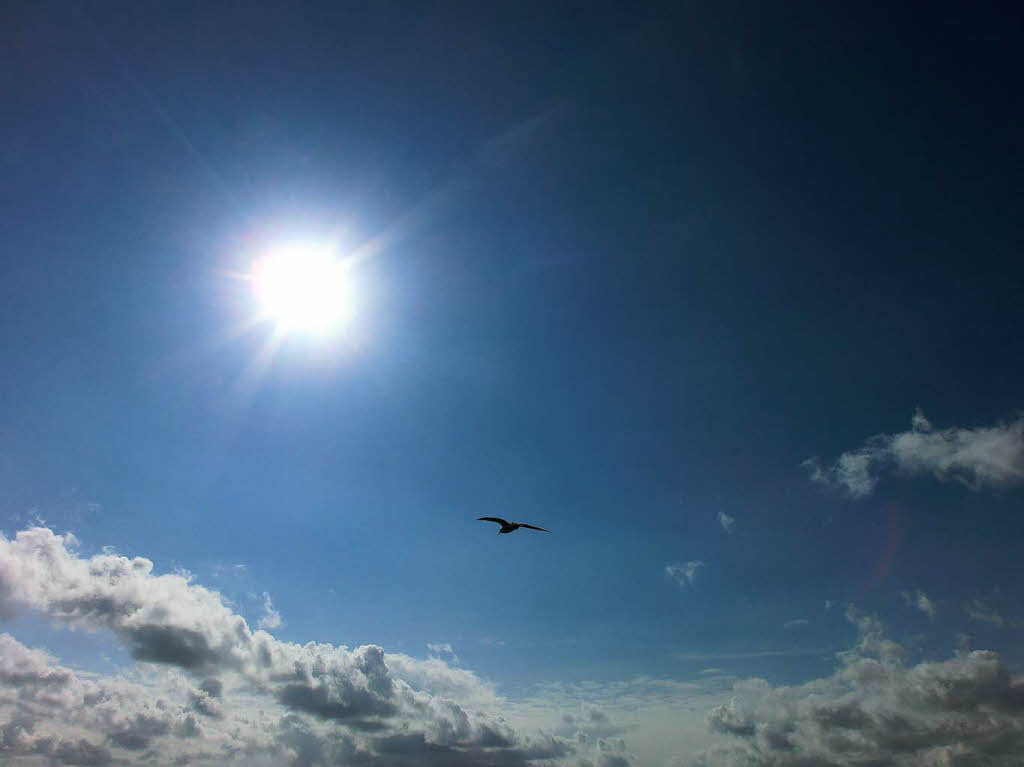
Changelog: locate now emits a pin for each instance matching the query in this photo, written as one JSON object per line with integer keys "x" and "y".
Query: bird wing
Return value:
{"x": 499, "y": 520}
{"x": 533, "y": 527}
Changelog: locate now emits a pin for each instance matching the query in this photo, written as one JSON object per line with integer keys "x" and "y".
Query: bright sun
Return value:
{"x": 304, "y": 289}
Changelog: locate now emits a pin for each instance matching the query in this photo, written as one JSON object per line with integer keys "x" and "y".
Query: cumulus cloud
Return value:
{"x": 591, "y": 725}
{"x": 684, "y": 573}
{"x": 875, "y": 710}
{"x": 727, "y": 522}
{"x": 214, "y": 691}
{"x": 983, "y": 457}
{"x": 920, "y": 601}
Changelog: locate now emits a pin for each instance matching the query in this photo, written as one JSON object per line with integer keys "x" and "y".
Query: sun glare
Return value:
{"x": 303, "y": 289}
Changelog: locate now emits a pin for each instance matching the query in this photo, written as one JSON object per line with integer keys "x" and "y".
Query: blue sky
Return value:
{"x": 624, "y": 272}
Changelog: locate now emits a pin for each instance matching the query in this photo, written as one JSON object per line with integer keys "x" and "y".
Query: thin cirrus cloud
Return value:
{"x": 983, "y": 457}
{"x": 215, "y": 691}
{"x": 685, "y": 573}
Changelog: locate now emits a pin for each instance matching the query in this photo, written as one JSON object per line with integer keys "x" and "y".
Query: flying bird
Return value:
{"x": 510, "y": 527}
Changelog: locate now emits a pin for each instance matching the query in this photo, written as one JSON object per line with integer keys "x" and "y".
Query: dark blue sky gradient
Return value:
{"x": 642, "y": 264}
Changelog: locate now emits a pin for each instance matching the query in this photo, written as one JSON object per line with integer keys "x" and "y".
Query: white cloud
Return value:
{"x": 444, "y": 649}
{"x": 920, "y": 601}
{"x": 684, "y": 573}
{"x": 271, "y": 618}
{"x": 967, "y": 710}
{"x": 797, "y": 623}
{"x": 211, "y": 690}
{"x": 991, "y": 456}
{"x": 727, "y": 522}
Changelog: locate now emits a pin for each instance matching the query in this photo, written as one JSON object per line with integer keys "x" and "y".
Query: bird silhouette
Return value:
{"x": 510, "y": 527}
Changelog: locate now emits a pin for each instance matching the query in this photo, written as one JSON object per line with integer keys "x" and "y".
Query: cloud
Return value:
{"x": 214, "y": 691}
{"x": 920, "y": 601}
{"x": 797, "y": 623}
{"x": 981, "y": 611}
{"x": 684, "y": 573}
{"x": 794, "y": 652}
{"x": 443, "y": 649}
{"x": 967, "y": 710}
{"x": 271, "y": 618}
{"x": 727, "y": 522}
{"x": 983, "y": 457}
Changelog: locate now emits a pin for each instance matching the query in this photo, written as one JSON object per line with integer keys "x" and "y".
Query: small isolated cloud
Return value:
{"x": 981, "y": 611}
{"x": 684, "y": 573}
{"x": 983, "y": 457}
{"x": 443, "y": 650}
{"x": 271, "y": 618}
{"x": 727, "y": 522}
{"x": 828, "y": 604}
{"x": 220, "y": 570}
{"x": 798, "y": 623}
{"x": 920, "y": 601}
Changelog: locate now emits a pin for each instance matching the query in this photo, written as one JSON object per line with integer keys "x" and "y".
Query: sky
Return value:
{"x": 727, "y": 297}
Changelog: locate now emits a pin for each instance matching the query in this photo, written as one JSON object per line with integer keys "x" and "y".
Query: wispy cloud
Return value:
{"x": 797, "y": 623}
{"x": 271, "y": 618}
{"x": 684, "y": 573}
{"x": 727, "y": 522}
{"x": 991, "y": 456}
{"x": 793, "y": 652}
{"x": 920, "y": 601}
{"x": 443, "y": 650}
{"x": 981, "y": 611}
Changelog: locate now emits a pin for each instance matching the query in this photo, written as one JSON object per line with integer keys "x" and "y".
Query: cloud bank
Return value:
{"x": 984, "y": 457}
{"x": 210, "y": 690}
{"x": 214, "y": 691}
{"x": 875, "y": 710}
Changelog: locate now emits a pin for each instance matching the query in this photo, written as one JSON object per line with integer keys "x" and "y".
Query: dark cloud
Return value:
{"x": 174, "y": 645}
{"x": 321, "y": 701}
{"x": 137, "y": 732}
{"x": 82, "y": 752}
